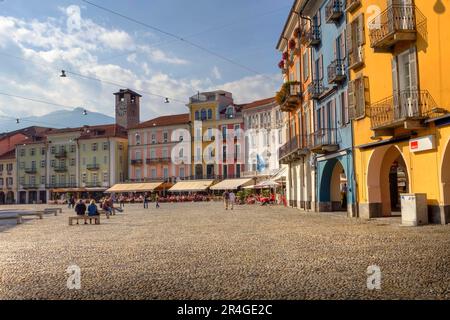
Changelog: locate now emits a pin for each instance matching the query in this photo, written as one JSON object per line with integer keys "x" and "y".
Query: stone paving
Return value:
{"x": 201, "y": 251}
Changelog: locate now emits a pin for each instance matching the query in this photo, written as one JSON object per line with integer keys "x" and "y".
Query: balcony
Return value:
{"x": 93, "y": 184}
{"x": 61, "y": 154}
{"x": 356, "y": 58}
{"x": 289, "y": 97}
{"x": 336, "y": 72}
{"x": 292, "y": 150}
{"x": 61, "y": 185}
{"x": 352, "y": 5}
{"x": 158, "y": 160}
{"x": 334, "y": 11}
{"x": 323, "y": 141}
{"x": 30, "y": 186}
{"x": 137, "y": 162}
{"x": 398, "y": 23}
{"x": 60, "y": 169}
{"x": 31, "y": 170}
{"x": 311, "y": 36}
{"x": 93, "y": 167}
{"x": 407, "y": 110}
{"x": 316, "y": 89}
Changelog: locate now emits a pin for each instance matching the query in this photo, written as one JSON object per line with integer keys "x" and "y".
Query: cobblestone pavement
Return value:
{"x": 200, "y": 251}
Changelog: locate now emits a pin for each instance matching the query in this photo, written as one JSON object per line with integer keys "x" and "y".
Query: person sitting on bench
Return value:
{"x": 80, "y": 209}
{"x": 92, "y": 210}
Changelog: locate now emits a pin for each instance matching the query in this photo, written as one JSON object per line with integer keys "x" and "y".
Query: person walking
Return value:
{"x": 232, "y": 199}
{"x": 122, "y": 201}
{"x": 226, "y": 199}
{"x": 92, "y": 211}
{"x": 157, "y": 201}
{"x": 145, "y": 201}
{"x": 71, "y": 202}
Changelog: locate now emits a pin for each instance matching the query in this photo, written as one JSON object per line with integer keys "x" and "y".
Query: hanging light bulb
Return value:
{"x": 63, "y": 74}
{"x": 17, "y": 120}
{"x": 85, "y": 113}
{"x": 439, "y": 7}
{"x": 167, "y": 100}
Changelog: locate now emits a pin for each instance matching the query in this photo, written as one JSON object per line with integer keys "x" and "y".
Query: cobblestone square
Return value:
{"x": 201, "y": 251}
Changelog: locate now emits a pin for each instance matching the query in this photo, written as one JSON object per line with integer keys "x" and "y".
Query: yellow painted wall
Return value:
{"x": 433, "y": 72}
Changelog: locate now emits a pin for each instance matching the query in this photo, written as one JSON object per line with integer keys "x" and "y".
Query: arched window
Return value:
{"x": 203, "y": 114}
{"x": 209, "y": 114}
{"x": 197, "y": 115}
{"x": 230, "y": 112}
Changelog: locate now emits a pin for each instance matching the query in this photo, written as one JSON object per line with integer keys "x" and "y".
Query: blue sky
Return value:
{"x": 51, "y": 35}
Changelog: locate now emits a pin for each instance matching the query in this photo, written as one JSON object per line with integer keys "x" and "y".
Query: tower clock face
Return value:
{"x": 122, "y": 109}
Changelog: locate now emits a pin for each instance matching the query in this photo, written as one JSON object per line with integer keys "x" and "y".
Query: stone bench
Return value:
{"x": 52, "y": 211}
{"x": 39, "y": 214}
{"x": 17, "y": 218}
{"x": 84, "y": 218}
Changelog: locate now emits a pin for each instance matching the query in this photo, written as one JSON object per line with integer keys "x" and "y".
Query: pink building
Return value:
{"x": 159, "y": 149}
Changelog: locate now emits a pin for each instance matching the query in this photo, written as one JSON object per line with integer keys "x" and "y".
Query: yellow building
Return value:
{"x": 399, "y": 98}
{"x": 8, "y": 178}
{"x": 215, "y": 118}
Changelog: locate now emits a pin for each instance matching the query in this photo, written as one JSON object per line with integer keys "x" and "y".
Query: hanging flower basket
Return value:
{"x": 285, "y": 55}
{"x": 281, "y": 64}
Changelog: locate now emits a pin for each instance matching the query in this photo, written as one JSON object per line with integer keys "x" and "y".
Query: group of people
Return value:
{"x": 229, "y": 199}
{"x": 91, "y": 210}
{"x": 147, "y": 200}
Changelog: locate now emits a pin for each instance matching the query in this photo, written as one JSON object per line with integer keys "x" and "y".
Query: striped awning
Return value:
{"x": 231, "y": 184}
{"x": 280, "y": 175}
{"x": 134, "y": 187}
{"x": 191, "y": 186}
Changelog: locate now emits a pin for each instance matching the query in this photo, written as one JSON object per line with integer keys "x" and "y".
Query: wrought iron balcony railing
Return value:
{"x": 93, "y": 167}
{"x": 352, "y": 5}
{"x": 60, "y": 169}
{"x": 395, "y": 110}
{"x": 396, "y": 23}
{"x": 61, "y": 185}
{"x": 137, "y": 162}
{"x": 311, "y": 36}
{"x": 334, "y": 10}
{"x": 337, "y": 71}
{"x": 323, "y": 140}
{"x": 316, "y": 89}
{"x": 32, "y": 170}
{"x": 61, "y": 154}
{"x": 30, "y": 186}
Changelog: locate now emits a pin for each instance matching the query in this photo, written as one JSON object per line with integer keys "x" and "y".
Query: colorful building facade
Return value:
{"x": 400, "y": 99}
{"x": 265, "y": 132}
{"x": 217, "y": 131}
{"x": 160, "y": 149}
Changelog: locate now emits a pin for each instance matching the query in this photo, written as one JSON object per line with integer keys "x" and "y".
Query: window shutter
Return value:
{"x": 321, "y": 67}
{"x": 342, "y": 46}
{"x": 360, "y": 30}
{"x": 349, "y": 38}
{"x": 395, "y": 85}
{"x": 413, "y": 69}
{"x": 351, "y": 102}
{"x": 335, "y": 48}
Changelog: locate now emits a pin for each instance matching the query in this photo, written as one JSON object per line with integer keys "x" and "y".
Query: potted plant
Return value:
{"x": 292, "y": 44}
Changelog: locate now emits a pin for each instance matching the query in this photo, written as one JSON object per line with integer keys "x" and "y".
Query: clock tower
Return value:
{"x": 127, "y": 108}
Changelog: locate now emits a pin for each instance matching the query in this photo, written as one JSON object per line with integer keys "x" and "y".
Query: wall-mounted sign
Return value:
{"x": 422, "y": 144}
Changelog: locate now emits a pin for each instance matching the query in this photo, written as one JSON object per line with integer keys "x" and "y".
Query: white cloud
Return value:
{"x": 216, "y": 73}
{"x": 252, "y": 88}
{"x": 116, "y": 39}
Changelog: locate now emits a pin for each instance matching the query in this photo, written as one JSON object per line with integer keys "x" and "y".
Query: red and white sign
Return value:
{"x": 422, "y": 144}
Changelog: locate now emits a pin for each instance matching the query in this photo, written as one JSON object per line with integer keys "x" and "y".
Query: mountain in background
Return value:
{"x": 58, "y": 119}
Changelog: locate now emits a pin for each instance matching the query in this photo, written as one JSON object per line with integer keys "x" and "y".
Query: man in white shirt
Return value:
{"x": 232, "y": 199}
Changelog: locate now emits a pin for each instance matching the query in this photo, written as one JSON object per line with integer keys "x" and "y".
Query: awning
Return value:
{"x": 267, "y": 184}
{"x": 191, "y": 186}
{"x": 134, "y": 187}
{"x": 65, "y": 190}
{"x": 231, "y": 184}
{"x": 280, "y": 175}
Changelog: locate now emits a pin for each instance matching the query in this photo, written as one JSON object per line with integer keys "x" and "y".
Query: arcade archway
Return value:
{"x": 387, "y": 179}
